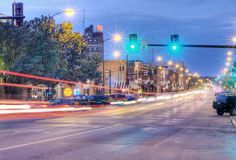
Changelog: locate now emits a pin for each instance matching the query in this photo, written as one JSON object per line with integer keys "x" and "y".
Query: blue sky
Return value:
{"x": 196, "y": 21}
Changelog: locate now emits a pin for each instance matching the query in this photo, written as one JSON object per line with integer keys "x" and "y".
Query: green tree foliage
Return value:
{"x": 40, "y": 54}
{"x": 74, "y": 62}
{"x": 40, "y": 47}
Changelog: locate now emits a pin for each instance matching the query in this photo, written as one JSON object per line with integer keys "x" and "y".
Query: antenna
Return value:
{"x": 83, "y": 20}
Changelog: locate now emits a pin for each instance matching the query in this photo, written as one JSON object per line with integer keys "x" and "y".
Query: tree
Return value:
{"x": 40, "y": 54}
{"x": 78, "y": 66}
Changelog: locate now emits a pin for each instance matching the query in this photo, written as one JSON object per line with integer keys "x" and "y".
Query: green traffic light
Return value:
{"x": 174, "y": 47}
{"x": 132, "y": 46}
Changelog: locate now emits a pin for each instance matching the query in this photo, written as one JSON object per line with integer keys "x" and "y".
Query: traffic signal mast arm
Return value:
{"x": 194, "y": 46}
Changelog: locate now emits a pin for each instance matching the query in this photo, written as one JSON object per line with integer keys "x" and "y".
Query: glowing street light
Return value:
{"x": 229, "y": 59}
{"x": 159, "y": 58}
{"x": 69, "y": 12}
{"x": 181, "y": 69}
{"x": 170, "y": 63}
{"x": 227, "y": 64}
{"x": 226, "y": 70}
{"x": 187, "y": 71}
{"x": 234, "y": 39}
{"x": 117, "y": 54}
{"x": 117, "y": 37}
{"x": 196, "y": 75}
{"x": 177, "y": 66}
{"x": 230, "y": 53}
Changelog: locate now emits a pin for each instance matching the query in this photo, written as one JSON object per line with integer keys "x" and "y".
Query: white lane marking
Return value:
{"x": 54, "y": 139}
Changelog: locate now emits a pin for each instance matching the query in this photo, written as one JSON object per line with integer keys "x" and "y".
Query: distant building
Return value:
{"x": 117, "y": 78}
{"x": 18, "y": 11}
{"x": 17, "y": 17}
{"x": 94, "y": 40}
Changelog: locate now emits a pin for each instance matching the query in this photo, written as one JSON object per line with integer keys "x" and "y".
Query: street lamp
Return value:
{"x": 226, "y": 70}
{"x": 177, "y": 66}
{"x": 230, "y": 53}
{"x": 68, "y": 12}
{"x": 159, "y": 58}
{"x": 229, "y": 59}
{"x": 170, "y": 63}
{"x": 117, "y": 54}
{"x": 117, "y": 37}
{"x": 234, "y": 39}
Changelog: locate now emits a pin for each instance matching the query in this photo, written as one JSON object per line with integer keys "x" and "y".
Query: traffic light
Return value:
{"x": 175, "y": 45}
{"x": 133, "y": 44}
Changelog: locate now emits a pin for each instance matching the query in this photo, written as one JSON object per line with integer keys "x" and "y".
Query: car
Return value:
{"x": 98, "y": 99}
{"x": 81, "y": 99}
{"x": 118, "y": 97}
{"x": 62, "y": 101}
{"x": 220, "y": 93}
{"x": 130, "y": 97}
{"x": 225, "y": 103}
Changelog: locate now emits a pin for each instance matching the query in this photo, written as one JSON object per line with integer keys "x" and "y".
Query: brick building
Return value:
{"x": 94, "y": 40}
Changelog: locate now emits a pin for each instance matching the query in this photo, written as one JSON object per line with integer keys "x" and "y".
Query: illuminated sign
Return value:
{"x": 68, "y": 92}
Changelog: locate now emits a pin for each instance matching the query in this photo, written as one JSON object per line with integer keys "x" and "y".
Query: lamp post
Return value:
{"x": 115, "y": 38}
{"x": 68, "y": 12}
{"x": 234, "y": 39}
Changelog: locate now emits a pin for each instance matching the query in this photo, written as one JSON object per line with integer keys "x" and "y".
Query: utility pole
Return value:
{"x": 109, "y": 81}
{"x": 83, "y": 20}
{"x": 127, "y": 70}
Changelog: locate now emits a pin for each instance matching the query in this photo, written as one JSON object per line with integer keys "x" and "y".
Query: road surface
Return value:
{"x": 184, "y": 128}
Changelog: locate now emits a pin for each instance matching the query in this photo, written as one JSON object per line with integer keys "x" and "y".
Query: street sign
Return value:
{"x": 68, "y": 92}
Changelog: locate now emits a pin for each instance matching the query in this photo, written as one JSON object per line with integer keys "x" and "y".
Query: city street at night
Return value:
{"x": 118, "y": 80}
{"x": 179, "y": 129}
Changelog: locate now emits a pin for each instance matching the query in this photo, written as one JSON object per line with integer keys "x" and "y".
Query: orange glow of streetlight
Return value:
{"x": 226, "y": 70}
{"x": 177, "y": 66}
{"x": 170, "y": 63}
{"x": 117, "y": 54}
{"x": 227, "y": 64}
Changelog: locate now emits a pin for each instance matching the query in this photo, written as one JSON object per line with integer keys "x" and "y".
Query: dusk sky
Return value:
{"x": 196, "y": 22}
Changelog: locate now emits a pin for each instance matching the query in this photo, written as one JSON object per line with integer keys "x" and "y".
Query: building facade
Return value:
{"x": 145, "y": 77}
{"x": 93, "y": 39}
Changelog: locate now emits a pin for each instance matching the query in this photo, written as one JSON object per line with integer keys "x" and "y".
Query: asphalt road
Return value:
{"x": 178, "y": 129}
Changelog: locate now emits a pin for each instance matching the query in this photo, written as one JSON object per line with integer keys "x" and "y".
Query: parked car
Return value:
{"x": 130, "y": 97}
{"x": 225, "y": 103}
{"x": 62, "y": 101}
{"x": 98, "y": 99}
{"x": 117, "y": 97}
{"x": 81, "y": 99}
